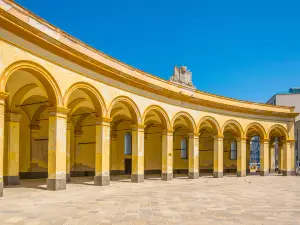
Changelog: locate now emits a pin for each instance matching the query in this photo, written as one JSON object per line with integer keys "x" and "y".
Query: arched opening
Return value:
{"x": 86, "y": 107}
{"x": 125, "y": 117}
{"x": 208, "y": 130}
{"x": 183, "y": 126}
{"x": 232, "y": 133}
{"x": 184, "y": 148}
{"x": 233, "y": 150}
{"x": 127, "y": 152}
{"x": 26, "y": 129}
{"x": 255, "y": 148}
{"x": 157, "y": 123}
{"x": 277, "y": 136}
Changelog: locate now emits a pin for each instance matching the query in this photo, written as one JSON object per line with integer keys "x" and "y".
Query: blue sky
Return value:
{"x": 247, "y": 50}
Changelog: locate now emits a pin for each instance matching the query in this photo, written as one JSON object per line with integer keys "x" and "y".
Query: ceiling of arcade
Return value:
{"x": 27, "y": 94}
{"x": 183, "y": 125}
{"x": 154, "y": 121}
{"x": 122, "y": 116}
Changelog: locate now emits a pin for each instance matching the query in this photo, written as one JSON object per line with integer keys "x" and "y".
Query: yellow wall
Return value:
{"x": 60, "y": 74}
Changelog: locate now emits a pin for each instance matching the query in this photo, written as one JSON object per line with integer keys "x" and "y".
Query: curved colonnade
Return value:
{"x": 63, "y": 115}
{"x": 82, "y": 113}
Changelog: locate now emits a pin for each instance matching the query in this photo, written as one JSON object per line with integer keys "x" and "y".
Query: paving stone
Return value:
{"x": 253, "y": 200}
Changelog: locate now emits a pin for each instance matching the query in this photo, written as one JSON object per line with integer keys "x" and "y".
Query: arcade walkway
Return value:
{"x": 231, "y": 200}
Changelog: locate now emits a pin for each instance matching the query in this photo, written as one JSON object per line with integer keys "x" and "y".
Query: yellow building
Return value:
{"x": 70, "y": 110}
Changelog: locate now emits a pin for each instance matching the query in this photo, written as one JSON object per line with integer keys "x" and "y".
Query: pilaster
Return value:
{"x": 3, "y": 96}
{"x": 68, "y": 170}
{"x": 137, "y": 175}
{"x": 264, "y": 157}
{"x": 241, "y": 157}
{"x": 280, "y": 160}
{"x": 218, "y": 157}
{"x": 193, "y": 152}
{"x": 167, "y": 155}
{"x": 248, "y": 156}
{"x": 102, "y": 177}
{"x": 288, "y": 148}
{"x": 272, "y": 157}
{"x": 12, "y": 149}
{"x": 57, "y": 149}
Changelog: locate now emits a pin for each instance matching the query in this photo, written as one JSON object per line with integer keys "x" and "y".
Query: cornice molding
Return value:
{"x": 110, "y": 67}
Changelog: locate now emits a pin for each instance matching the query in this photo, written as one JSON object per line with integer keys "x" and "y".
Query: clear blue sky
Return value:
{"x": 241, "y": 49}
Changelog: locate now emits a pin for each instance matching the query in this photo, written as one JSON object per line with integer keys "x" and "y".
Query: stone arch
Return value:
{"x": 212, "y": 121}
{"x": 259, "y": 128}
{"x": 46, "y": 79}
{"x": 234, "y": 123}
{"x": 92, "y": 92}
{"x": 281, "y": 130}
{"x": 134, "y": 110}
{"x": 159, "y": 110}
{"x": 187, "y": 116}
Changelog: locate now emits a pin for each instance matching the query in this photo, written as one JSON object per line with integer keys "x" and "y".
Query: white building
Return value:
{"x": 292, "y": 98}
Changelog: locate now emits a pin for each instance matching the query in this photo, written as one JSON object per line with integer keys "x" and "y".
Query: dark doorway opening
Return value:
{"x": 128, "y": 163}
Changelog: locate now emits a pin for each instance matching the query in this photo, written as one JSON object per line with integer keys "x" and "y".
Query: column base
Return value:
{"x": 193, "y": 175}
{"x": 11, "y": 180}
{"x": 286, "y": 173}
{"x": 101, "y": 180}
{"x": 241, "y": 173}
{"x": 167, "y": 176}
{"x": 68, "y": 177}
{"x": 218, "y": 174}
{"x": 137, "y": 178}
{"x": 56, "y": 184}
{"x": 264, "y": 173}
{"x": 272, "y": 171}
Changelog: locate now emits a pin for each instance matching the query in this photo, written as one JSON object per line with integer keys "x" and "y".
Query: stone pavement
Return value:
{"x": 231, "y": 200}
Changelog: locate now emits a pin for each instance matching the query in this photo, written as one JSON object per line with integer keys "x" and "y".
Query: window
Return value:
{"x": 184, "y": 148}
{"x": 233, "y": 150}
{"x": 127, "y": 144}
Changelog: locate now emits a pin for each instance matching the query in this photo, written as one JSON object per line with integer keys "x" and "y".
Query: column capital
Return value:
{"x": 288, "y": 141}
{"x": 272, "y": 145}
{"x": 58, "y": 111}
{"x": 12, "y": 117}
{"x": 218, "y": 136}
{"x": 3, "y": 95}
{"x": 241, "y": 139}
{"x": 103, "y": 121}
{"x": 264, "y": 140}
{"x": 193, "y": 134}
{"x": 168, "y": 131}
{"x": 138, "y": 126}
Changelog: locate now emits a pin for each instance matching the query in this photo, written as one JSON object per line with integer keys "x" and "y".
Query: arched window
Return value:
{"x": 233, "y": 148}
{"x": 127, "y": 144}
{"x": 184, "y": 148}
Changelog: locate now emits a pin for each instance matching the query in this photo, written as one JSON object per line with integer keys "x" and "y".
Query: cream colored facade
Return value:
{"x": 66, "y": 108}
